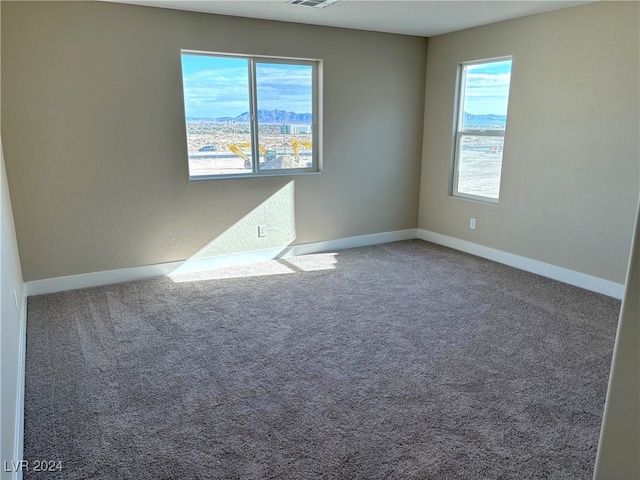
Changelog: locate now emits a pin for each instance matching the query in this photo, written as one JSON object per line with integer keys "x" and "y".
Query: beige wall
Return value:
{"x": 571, "y": 158}
{"x": 10, "y": 325}
{"x": 96, "y": 153}
{"x": 620, "y": 437}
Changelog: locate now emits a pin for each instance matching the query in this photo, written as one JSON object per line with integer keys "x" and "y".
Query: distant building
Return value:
{"x": 295, "y": 129}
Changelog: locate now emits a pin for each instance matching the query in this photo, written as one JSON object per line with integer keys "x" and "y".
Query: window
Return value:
{"x": 480, "y": 128}
{"x": 250, "y": 116}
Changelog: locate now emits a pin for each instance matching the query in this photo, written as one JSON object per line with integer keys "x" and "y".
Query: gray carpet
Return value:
{"x": 403, "y": 360}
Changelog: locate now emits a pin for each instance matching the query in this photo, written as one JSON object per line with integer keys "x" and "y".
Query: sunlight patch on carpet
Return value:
{"x": 281, "y": 266}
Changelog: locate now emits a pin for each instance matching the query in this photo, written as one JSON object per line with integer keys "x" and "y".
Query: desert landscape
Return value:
{"x": 224, "y": 148}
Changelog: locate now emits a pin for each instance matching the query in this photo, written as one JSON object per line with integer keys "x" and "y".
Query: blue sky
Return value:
{"x": 219, "y": 86}
{"x": 487, "y": 88}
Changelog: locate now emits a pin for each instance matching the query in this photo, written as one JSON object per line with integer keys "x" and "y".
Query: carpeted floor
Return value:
{"x": 397, "y": 361}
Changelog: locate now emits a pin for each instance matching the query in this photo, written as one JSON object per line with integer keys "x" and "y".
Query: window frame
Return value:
{"x": 459, "y": 132}
{"x": 253, "y": 60}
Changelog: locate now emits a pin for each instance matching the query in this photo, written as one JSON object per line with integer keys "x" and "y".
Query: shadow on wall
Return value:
{"x": 244, "y": 244}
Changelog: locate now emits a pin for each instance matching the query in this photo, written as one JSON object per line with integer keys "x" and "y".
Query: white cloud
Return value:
{"x": 216, "y": 93}
{"x": 482, "y": 84}
{"x": 223, "y": 92}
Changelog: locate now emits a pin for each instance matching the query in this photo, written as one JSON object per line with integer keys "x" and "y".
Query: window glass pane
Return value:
{"x": 216, "y": 101}
{"x": 479, "y": 165}
{"x": 285, "y": 98}
{"x": 486, "y": 95}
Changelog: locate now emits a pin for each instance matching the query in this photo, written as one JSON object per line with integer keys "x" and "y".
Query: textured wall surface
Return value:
{"x": 10, "y": 318}
{"x": 96, "y": 152}
{"x": 620, "y": 436}
{"x": 571, "y": 157}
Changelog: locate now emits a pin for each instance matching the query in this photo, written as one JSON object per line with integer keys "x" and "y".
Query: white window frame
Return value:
{"x": 253, "y": 108}
{"x": 460, "y": 132}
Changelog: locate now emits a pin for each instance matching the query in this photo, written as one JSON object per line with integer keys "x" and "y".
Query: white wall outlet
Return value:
{"x": 472, "y": 223}
{"x": 262, "y": 230}
{"x": 15, "y": 299}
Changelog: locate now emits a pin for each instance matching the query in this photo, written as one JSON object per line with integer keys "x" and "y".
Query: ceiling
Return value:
{"x": 424, "y": 18}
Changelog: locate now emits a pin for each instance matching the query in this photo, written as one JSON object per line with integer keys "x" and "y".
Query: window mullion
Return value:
{"x": 253, "y": 114}
{"x": 456, "y": 152}
{"x": 483, "y": 133}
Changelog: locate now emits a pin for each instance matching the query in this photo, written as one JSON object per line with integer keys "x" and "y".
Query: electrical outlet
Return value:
{"x": 472, "y": 223}
{"x": 15, "y": 299}
{"x": 262, "y": 230}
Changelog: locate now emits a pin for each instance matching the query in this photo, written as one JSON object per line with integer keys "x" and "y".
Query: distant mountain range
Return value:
{"x": 487, "y": 120}
{"x": 266, "y": 116}
{"x": 282, "y": 116}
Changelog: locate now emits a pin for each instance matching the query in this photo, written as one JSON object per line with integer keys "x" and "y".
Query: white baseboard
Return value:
{"x": 554, "y": 272}
{"x": 95, "y": 279}
{"x": 351, "y": 242}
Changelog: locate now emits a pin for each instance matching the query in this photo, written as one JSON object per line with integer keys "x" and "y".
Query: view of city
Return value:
{"x": 218, "y": 92}
{"x": 224, "y": 148}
